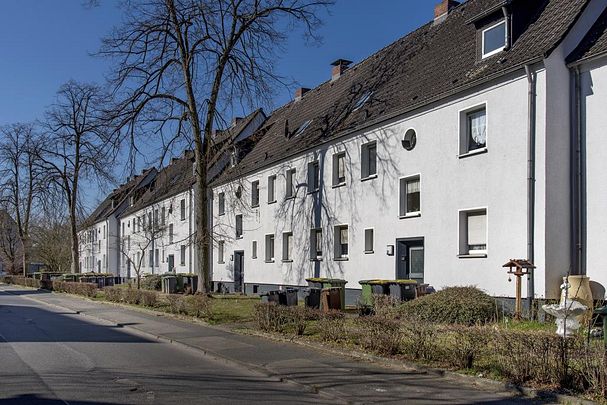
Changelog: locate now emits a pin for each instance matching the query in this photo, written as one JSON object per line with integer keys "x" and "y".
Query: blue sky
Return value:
{"x": 45, "y": 43}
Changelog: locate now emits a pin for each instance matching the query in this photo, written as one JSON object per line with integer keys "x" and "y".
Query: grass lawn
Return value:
{"x": 232, "y": 309}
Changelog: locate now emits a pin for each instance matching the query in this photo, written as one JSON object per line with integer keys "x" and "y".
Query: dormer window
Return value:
{"x": 494, "y": 39}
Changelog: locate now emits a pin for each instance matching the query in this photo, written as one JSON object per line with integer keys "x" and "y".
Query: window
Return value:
{"x": 313, "y": 176}
{"x": 494, "y": 39}
{"x": 222, "y": 203}
{"x": 410, "y": 199}
{"x": 339, "y": 169}
{"x": 156, "y": 218}
{"x": 366, "y": 96}
{"x": 341, "y": 241}
{"x": 220, "y": 247}
{"x": 182, "y": 255}
{"x": 103, "y": 231}
{"x": 473, "y": 130}
{"x": 473, "y": 232}
{"x": 302, "y": 128}
{"x": 369, "y": 240}
{"x": 151, "y": 258}
{"x": 182, "y": 205}
{"x": 128, "y": 242}
{"x": 290, "y": 188}
{"x": 238, "y": 226}
{"x": 255, "y": 194}
{"x": 150, "y": 223}
{"x": 143, "y": 222}
{"x": 254, "y": 250}
{"x": 287, "y": 246}
{"x": 271, "y": 189}
{"x": 171, "y": 233}
{"x": 410, "y": 139}
{"x": 163, "y": 216}
{"x": 368, "y": 156}
{"x": 269, "y": 248}
{"x": 315, "y": 244}
{"x": 123, "y": 229}
{"x": 157, "y": 258}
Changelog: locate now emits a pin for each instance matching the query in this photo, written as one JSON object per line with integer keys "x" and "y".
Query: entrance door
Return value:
{"x": 410, "y": 259}
{"x": 238, "y": 271}
{"x": 171, "y": 260}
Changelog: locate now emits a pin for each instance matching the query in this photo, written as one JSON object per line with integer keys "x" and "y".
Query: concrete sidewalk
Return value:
{"x": 341, "y": 378}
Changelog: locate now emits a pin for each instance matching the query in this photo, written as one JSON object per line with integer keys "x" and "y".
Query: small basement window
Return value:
{"x": 494, "y": 39}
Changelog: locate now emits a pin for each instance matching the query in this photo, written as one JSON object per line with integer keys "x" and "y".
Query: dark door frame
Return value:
{"x": 420, "y": 241}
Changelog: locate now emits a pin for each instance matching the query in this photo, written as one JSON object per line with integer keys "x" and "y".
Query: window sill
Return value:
{"x": 221, "y": 262}
{"x": 270, "y": 261}
{"x": 338, "y": 185}
{"x": 289, "y": 197}
{"x": 371, "y": 177}
{"x": 313, "y": 191}
{"x": 473, "y": 153}
{"x": 255, "y": 206}
{"x": 341, "y": 259}
{"x": 411, "y": 215}
{"x": 287, "y": 260}
{"x": 239, "y": 237}
{"x": 473, "y": 256}
{"x": 271, "y": 202}
{"x": 369, "y": 252}
{"x": 317, "y": 259}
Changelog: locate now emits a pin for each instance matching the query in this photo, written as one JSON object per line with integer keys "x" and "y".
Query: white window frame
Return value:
{"x": 270, "y": 258}
{"x": 182, "y": 254}
{"x": 287, "y": 247}
{"x": 182, "y": 208}
{"x": 290, "y": 183}
{"x": 335, "y": 169}
{"x": 255, "y": 193}
{"x": 497, "y": 50}
{"x": 313, "y": 171}
{"x": 464, "y": 135}
{"x": 372, "y": 250}
{"x": 239, "y": 235}
{"x": 402, "y": 197}
{"x": 338, "y": 254}
{"x": 221, "y": 203}
{"x": 221, "y": 252}
{"x": 254, "y": 249}
{"x": 314, "y": 242}
{"x": 365, "y": 173}
{"x": 462, "y": 233}
{"x": 272, "y": 189}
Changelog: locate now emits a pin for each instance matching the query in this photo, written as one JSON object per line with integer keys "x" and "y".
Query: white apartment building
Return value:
{"x": 439, "y": 158}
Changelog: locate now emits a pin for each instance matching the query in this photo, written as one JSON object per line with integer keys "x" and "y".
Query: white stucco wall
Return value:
{"x": 495, "y": 180}
{"x": 594, "y": 129}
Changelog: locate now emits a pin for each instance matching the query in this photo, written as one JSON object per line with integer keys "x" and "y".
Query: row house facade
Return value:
{"x": 458, "y": 147}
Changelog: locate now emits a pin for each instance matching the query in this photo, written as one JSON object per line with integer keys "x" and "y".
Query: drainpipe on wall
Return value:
{"x": 578, "y": 266}
{"x": 508, "y": 31}
{"x": 531, "y": 79}
{"x": 190, "y": 211}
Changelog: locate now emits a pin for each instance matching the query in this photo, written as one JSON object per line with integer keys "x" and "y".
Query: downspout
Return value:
{"x": 531, "y": 134}
{"x": 508, "y": 31}
{"x": 191, "y": 210}
{"x": 577, "y": 267}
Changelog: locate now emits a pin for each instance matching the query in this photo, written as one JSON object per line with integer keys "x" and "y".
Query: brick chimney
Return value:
{"x": 442, "y": 9}
{"x": 299, "y": 93}
{"x": 339, "y": 67}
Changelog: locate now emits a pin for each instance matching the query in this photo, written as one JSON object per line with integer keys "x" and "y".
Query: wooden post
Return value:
{"x": 518, "y": 304}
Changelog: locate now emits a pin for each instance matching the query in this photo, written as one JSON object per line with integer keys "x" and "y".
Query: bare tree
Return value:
{"x": 181, "y": 64}
{"x": 148, "y": 232}
{"x": 21, "y": 180}
{"x": 49, "y": 233}
{"x": 10, "y": 245}
{"x": 79, "y": 146}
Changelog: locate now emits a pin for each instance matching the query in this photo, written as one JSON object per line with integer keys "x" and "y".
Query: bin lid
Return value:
{"x": 405, "y": 282}
{"x": 326, "y": 280}
{"x": 379, "y": 282}
{"x": 601, "y": 310}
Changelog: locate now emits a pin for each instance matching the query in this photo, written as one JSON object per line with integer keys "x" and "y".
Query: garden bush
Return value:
{"x": 152, "y": 282}
{"x": 198, "y": 305}
{"x": 332, "y": 327}
{"x": 380, "y": 335}
{"x": 113, "y": 294}
{"x": 131, "y": 295}
{"x": 148, "y": 298}
{"x": 270, "y": 317}
{"x": 176, "y": 304}
{"x": 452, "y": 305}
{"x": 84, "y": 289}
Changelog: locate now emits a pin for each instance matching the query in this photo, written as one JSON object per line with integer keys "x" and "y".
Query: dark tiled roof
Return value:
{"x": 105, "y": 209}
{"x": 428, "y": 64}
{"x": 171, "y": 180}
{"x": 594, "y": 43}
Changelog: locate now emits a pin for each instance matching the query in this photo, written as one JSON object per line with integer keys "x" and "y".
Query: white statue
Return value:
{"x": 568, "y": 313}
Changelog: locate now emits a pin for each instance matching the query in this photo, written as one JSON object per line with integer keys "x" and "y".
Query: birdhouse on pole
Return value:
{"x": 518, "y": 268}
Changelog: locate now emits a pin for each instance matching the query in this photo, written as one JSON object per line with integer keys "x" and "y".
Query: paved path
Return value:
{"x": 64, "y": 349}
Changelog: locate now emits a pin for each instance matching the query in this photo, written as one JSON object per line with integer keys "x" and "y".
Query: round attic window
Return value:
{"x": 410, "y": 139}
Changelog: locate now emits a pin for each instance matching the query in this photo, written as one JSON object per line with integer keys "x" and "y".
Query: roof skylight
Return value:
{"x": 366, "y": 96}
{"x": 302, "y": 127}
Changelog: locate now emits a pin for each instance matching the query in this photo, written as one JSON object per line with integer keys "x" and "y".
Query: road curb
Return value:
{"x": 268, "y": 373}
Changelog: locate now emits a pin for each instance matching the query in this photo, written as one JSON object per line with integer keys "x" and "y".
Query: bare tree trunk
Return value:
{"x": 75, "y": 266}
{"x": 25, "y": 257}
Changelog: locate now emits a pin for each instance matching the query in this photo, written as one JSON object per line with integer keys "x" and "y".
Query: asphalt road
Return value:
{"x": 51, "y": 357}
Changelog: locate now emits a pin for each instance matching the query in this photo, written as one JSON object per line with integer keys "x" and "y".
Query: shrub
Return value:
{"x": 113, "y": 294}
{"x": 270, "y": 317}
{"x": 453, "y": 305}
{"x": 198, "y": 305}
{"x": 7, "y": 279}
{"x": 419, "y": 339}
{"x": 84, "y": 289}
{"x": 151, "y": 282}
{"x": 25, "y": 281}
{"x": 332, "y": 327}
{"x": 176, "y": 304}
{"x": 460, "y": 346}
{"x": 380, "y": 335}
{"x": 131, "y": 295}
{"x": 148, "y": 298}
{"x": 385, "y": 306}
